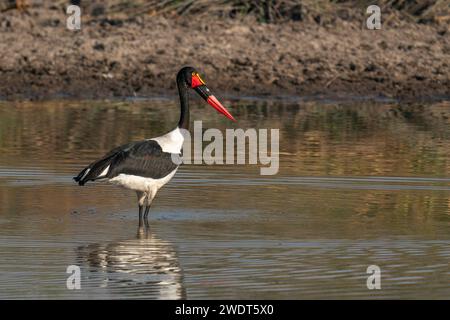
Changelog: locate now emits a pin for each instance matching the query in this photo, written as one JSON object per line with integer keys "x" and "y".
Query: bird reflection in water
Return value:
{"x": 146, "y": 267}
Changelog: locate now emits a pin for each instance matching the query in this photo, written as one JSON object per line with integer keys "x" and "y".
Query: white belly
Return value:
{"x": 147, "y": 185}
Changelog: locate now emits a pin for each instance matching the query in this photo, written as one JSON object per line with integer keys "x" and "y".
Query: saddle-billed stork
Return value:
{"x": 147, "y": 165}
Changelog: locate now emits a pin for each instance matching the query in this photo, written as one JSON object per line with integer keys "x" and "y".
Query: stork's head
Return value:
{"x": 191, "y": 78}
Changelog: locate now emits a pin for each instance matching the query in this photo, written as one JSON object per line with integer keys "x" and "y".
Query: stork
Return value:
{"x": 147, "y": 165}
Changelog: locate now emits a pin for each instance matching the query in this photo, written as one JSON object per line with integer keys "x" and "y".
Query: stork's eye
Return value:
{"x": 196, "y": 80}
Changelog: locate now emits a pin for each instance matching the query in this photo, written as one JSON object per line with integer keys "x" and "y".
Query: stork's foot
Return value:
{"x": 143, "y": 231}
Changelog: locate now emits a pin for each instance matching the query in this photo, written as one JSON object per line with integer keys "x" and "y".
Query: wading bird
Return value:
{"x": 145, "y": 166}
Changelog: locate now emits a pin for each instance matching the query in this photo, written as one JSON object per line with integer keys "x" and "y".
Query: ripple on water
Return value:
{"x": 359, "y": 184}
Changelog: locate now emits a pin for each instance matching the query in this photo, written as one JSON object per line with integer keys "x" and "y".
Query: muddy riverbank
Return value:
{"x": 140, "y": 56}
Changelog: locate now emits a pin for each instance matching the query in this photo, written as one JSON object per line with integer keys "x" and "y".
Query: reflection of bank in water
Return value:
{"x": 146, "y": 267}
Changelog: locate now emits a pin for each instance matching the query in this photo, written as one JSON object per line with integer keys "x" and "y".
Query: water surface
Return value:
{"x": 360, "y": 183}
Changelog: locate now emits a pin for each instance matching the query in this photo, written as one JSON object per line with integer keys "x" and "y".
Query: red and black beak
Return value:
{"x": 199, "y": 86}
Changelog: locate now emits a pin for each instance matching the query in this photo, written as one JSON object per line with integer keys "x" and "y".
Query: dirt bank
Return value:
{"x": 109, "y": 57}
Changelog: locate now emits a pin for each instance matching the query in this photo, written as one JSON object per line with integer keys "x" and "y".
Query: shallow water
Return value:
{"x": 359, "y": 184}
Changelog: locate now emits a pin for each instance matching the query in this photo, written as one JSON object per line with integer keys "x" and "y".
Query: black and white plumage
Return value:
{"x": 145, "y": 166}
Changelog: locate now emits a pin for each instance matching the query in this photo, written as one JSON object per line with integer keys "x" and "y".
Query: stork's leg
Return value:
{"x": 146, "y": 217}
{"x": 147, "y": 209}
{"x": 151, "y": 195}
{"x": 141, "y": 199}
{"x": 140, "y": 212}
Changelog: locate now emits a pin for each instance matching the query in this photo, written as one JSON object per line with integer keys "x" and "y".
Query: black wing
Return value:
{"x": 142, "y": 158}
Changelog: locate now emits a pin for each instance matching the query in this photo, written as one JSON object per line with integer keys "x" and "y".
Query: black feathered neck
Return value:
{"x": 183, "y": 82}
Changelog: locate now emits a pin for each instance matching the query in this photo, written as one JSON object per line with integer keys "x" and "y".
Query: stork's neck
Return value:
{"x": 184, "y": 104}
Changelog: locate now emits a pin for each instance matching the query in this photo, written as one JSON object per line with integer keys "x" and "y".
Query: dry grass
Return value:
{"x": 268, "y": 11}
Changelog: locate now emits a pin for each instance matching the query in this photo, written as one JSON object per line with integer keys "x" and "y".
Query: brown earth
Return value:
{"x": 109, "y": 57}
